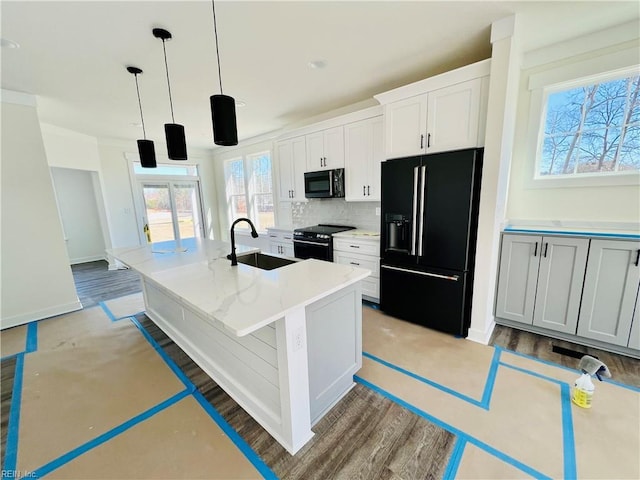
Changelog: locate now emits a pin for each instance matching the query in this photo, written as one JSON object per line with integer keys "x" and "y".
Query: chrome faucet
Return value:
{"x": 232, "y": 256}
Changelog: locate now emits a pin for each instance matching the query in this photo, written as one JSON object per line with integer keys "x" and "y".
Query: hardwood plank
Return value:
{"x": 96, "y": 283}
{"x": 7, "y": 374}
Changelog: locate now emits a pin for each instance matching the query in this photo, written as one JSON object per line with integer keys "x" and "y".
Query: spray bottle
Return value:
{"x": 583, "y": 386}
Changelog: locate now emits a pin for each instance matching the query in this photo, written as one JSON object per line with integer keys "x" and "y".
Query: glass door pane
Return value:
{"x": 187, "y": 212}
{"x": 159, "y": 212}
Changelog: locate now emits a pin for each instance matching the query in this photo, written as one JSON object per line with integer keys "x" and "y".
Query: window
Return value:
{"x": 591, "y": 128}
{"x": 249, "y": 188}
{"x": 170, "y": 170}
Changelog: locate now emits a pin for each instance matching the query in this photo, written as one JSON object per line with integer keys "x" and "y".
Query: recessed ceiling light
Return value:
{"x": 6, "y": 43}
{"x": 317, "y": 64}
{"x": 240, "y": 103}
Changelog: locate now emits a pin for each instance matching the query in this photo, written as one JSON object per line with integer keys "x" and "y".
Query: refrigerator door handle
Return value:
{"x": 423, "y": 189}
{"x": 454, "y": 278}
{"x": 415, "y": 210}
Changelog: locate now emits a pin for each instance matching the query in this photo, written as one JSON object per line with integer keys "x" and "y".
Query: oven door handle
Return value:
{"x": 311, "y": 243}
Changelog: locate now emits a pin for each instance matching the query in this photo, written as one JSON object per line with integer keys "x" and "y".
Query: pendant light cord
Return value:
{"x": 215, "y": 31}
{"x": 144, "y": 132}
{"x": 166, "y": 67}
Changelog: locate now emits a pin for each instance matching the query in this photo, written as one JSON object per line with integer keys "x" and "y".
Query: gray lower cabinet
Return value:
{"x": 518, "y": 277}
{"x": 540, "y": 280}
{"x": 562, "y": 264}
{"x": 634, "y": 337}
{"x": 610, "y": 293}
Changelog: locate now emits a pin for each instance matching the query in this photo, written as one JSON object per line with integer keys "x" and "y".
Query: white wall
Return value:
{"x": 529, "y": 200}
{"x": 68, "y": 149}
{"x": 36, "y": 278}
{"x": 76, "y": 200}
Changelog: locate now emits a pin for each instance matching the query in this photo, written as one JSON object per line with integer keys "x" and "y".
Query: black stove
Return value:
{"x": 316, "y": 241}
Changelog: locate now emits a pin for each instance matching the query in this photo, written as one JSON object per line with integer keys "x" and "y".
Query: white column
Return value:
{"x": 501, "y": 118}
{"x": 293, "y": 369}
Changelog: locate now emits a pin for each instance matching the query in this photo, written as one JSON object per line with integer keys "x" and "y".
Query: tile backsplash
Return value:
{"x": 335, "y": 211}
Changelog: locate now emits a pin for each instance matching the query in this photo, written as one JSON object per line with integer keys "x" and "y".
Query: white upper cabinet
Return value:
{"x": 406, "y": 126}
{"x": 441, "y": 120}
{"x": 325, "y": 149}
{"x": 452, "y": 117}
{"x": 440, "y": 113}
{"x": 364, "y": 151}
{"x": 291, "y": 159}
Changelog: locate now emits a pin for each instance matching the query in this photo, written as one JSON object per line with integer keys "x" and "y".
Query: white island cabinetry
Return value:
{"x": 280, "y": 241}
{"x": 265, "y": 337}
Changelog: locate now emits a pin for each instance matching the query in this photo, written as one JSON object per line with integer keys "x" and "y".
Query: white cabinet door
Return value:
{"x": 562, "y": 265}
{"x": 405, "y": 127}
{"x": 291, "y": 158}
{"x": 452, "y": 116}
{"x": 610, "y": 291}
{"x": 315, "y": 151}
{"x": 518, "y": 276}
{"x": 325, "y": 149}
{"x": 363, "y": 147}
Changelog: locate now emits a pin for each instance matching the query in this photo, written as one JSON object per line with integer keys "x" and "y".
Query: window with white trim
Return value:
{"x": 249, "y": 189}
{"x": 590, "y": 128}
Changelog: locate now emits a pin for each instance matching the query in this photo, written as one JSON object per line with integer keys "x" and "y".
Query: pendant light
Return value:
{"x": 223, "y": 107}
{"x": 174, "y": 133}
{"x": 146, "y": 150}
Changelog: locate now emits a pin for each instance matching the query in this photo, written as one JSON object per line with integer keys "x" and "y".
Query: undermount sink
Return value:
{"x": 263, "y": 261}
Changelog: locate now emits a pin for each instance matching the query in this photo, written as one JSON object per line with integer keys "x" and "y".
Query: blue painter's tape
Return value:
{"x": 32, "y": 337}
{"x": 238, "y": 441}
{"x": 99, "y": 440}
{"x": 167, "y": 359}
{"x": 454, "y": 461}
{"x": 13, "y": 355}
{"x": 577, "y": 372}
{"x": 13, "y": 427}
{"x": 474, "y": 441}
{"x": 106, "y": 310}
{"x": 568, "y": 440}
{"x": 491, "y": 378}
{"x": 590, "y": 234}
{"x": 533, "y": 374}
{"x": 415, "y": 376}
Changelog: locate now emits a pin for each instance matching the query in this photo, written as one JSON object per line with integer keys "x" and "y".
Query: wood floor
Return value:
{"x": 96, "y": 283}
{"x": 364, "y": 436}
{"x": 8, "y": 369}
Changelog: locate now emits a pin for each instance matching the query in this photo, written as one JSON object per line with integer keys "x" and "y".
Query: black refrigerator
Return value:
{"x": 429, "y": 220}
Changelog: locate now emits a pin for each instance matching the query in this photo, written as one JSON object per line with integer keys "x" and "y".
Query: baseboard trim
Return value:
{"x": 91, "y": 258}
{"x": 23, "y": 318}
{"x": 480, "y": 336}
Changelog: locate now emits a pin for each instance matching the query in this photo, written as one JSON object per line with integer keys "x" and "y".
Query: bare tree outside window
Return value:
{"x": 592, "y": 129}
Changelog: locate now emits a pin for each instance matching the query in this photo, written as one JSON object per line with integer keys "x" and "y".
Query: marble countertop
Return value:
{"x": 357, "y": 233}
{"x": 242, "y": 298}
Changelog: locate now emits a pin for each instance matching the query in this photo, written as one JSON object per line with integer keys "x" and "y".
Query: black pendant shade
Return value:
{"x": 147, "y": 153}
{"x": 223, "y": 116}
{"x": 176, "y": 144}
{"x": 223, "y": 107}
{"x": 146, "y": 149}
{"x": 174, "y": 133}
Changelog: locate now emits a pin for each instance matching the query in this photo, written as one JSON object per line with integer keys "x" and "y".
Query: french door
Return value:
{"x": 172, "y": 210}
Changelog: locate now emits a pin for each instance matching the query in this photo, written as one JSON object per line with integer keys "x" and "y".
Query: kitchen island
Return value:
{"x": 283, "y": 343}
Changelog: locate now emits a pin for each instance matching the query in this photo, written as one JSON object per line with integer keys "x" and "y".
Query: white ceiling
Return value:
{"x": 73, "y": 55}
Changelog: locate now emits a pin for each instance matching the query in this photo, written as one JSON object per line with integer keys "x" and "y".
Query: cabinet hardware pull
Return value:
{"x": 354, "y": 246}
{"x": 546, "y": 245}
{"x": 368, "y": 190}
{"x": 428, "y": 140}
{"x": 535, "y": 251}
{"x": 637, "y": 258}
{"x": 363, "y": 190}
{"x": 421, "y": 142}
{"x": 354, "y": 263}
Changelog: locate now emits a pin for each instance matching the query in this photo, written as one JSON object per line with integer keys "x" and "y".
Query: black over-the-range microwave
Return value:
{"x": 324, "y": 184}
